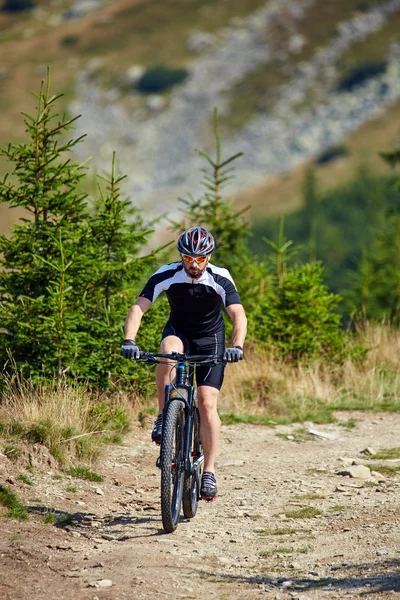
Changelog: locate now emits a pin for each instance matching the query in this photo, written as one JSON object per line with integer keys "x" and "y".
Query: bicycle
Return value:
{"x": 181, "y": 457}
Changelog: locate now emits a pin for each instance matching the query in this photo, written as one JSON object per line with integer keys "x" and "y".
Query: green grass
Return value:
{"x": 285, "y": 411}
{"x": 17, "y": 512}
{"x": 24, "y": 478}
{"x": 309, "y": 496}
{"x": 299, "y": 436}
{"x": 349, "y": 424}
{"x": 315, "y": 470}
{"x": 370, "y": 484}
{"x": 11, "y": 451}
{"x": 233, "y": 418}
{"x": 71, "y": 489}
{"x": 82, "y": 472}
{"x": 10, "y": 500}
{"x": 303, "y": 513}
{"x": 386, "y": 469}
{"x": 338, "y": 508}
{"x": 282, "y": 550}
{"x": 363, "y": 403}
{"x": 277, "y": 531}
{"x": 49, "y": 517}
{"x": 65, "y": 520}
{"x": 386, "y": 453}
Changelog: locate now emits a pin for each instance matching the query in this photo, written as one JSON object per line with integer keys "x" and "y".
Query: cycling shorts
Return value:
{"x": 211, "y": 375}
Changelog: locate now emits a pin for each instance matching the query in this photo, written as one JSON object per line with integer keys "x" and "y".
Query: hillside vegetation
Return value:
{"x": 108, "y": 41}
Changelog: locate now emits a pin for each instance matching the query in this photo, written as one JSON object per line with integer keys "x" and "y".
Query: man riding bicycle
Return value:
{"x": 196, "y": 291}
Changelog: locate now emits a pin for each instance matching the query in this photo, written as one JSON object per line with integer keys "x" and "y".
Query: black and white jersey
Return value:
{"x": 196, "y": 304}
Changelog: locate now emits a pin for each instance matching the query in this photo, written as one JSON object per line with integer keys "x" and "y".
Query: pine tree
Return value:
{"x": 119, "y": 233}
{"x": 377, "y": 284}
{"x": 69, "y": 273}
{"x": 45, "y": 247}
{"x": 311, "y": 200}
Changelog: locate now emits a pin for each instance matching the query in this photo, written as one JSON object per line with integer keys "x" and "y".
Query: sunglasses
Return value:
{"x": 191, "y": 259}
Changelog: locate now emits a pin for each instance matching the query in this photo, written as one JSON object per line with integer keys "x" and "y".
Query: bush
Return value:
{"x": 330, "y": 154}
{"x": 160, "y": 78}
{"x": 360, "y": 74}
{"x": 296, "y": 316}
{"x": 69, "y": 40}
{"x": 18, "y": 5}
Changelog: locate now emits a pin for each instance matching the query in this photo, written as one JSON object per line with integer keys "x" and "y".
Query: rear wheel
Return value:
{"x": 171, "y": 462}
{"x": 191, "y": 488}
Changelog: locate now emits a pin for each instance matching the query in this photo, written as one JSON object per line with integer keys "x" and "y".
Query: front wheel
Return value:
{"x": 172, "y": 464}
{"x": 191, "y": 488}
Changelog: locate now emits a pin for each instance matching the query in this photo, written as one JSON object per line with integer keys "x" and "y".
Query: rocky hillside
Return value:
{"x": 290, "y": 78}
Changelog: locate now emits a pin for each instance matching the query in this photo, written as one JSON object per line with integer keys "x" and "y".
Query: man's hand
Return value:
{"x": 129, "y": 349}
{"x": 233, "y": 354}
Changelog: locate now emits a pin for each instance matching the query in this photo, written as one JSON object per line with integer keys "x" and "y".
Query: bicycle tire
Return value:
{"x": 192, "y": 482}
{"x": 172, "y": 476}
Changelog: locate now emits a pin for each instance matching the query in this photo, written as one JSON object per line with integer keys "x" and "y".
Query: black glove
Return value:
{"x": 129, "y": 349}
{"x": 233, "y": 354}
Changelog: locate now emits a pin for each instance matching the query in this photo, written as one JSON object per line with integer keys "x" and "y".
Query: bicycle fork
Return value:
{"x": 186, "y": 464}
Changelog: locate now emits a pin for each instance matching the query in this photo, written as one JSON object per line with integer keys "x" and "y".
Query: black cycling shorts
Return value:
{"x": 212, "y": 375}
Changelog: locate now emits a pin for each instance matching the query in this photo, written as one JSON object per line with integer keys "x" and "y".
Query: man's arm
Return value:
{"x": 134, "y": 317}
{"x": 239, "y": 321}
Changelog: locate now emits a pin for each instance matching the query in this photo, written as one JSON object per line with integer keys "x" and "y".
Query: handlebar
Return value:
{"x": 152, "y": 358}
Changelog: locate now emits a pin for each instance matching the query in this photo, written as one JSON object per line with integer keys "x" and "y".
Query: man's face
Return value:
{"x": 194, "y": 268}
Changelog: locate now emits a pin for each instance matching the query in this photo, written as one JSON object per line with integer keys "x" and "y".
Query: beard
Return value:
{"x": 193, "y": 270}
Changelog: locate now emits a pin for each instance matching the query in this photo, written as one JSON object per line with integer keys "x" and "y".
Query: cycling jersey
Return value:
{"x": 196, "y": 304}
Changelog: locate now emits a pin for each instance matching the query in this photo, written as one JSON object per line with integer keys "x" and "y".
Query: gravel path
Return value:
{"x": 245, "y": 545}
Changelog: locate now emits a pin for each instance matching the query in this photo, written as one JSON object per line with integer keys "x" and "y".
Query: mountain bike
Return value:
{"x": 181, "y": 457}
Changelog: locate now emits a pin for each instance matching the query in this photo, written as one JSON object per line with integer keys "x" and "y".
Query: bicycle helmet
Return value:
{"x": 196, "y": 241}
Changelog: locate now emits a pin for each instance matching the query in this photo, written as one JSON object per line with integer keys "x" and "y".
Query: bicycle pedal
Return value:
{"x": 158, "y": 462}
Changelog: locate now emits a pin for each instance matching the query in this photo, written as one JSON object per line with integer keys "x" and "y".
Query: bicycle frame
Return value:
{"x": 184, "y": 374}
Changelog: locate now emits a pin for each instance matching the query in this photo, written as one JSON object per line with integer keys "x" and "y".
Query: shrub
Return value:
{"x": 18, "y": 5}
{"x": 69, "y": 40}
{"x": 360, "y": 74}
{"x": 330, "y": 154}
{"x": 82, "y": 472}
{"x": 160, "y": 78}
{"x": 295, "y": 315}
{"x": 10, "y": 500}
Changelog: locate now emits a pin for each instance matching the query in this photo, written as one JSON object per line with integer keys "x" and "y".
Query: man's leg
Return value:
{"x": 210, "y": 424}
{"x": 169, "y": 344}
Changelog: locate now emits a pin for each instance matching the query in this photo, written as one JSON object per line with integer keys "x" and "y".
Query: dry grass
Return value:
{"x": 69, "y": 420}
{"x": 266, "y": 387}
{"x": 74, "y": 423}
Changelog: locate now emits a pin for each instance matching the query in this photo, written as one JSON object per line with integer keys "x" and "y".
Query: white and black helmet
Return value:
{"x": 196, "y": 241}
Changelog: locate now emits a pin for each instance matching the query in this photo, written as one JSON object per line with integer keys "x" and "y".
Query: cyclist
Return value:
{"x": 196, "y": 290}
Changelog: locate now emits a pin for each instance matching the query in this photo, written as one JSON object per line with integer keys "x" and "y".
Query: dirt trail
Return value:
{"x": 241, "y": 546}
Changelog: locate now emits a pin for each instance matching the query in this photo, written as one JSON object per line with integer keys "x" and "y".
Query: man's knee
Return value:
{"x": 171, "y": 343}
{"x": 207, "y": 399}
